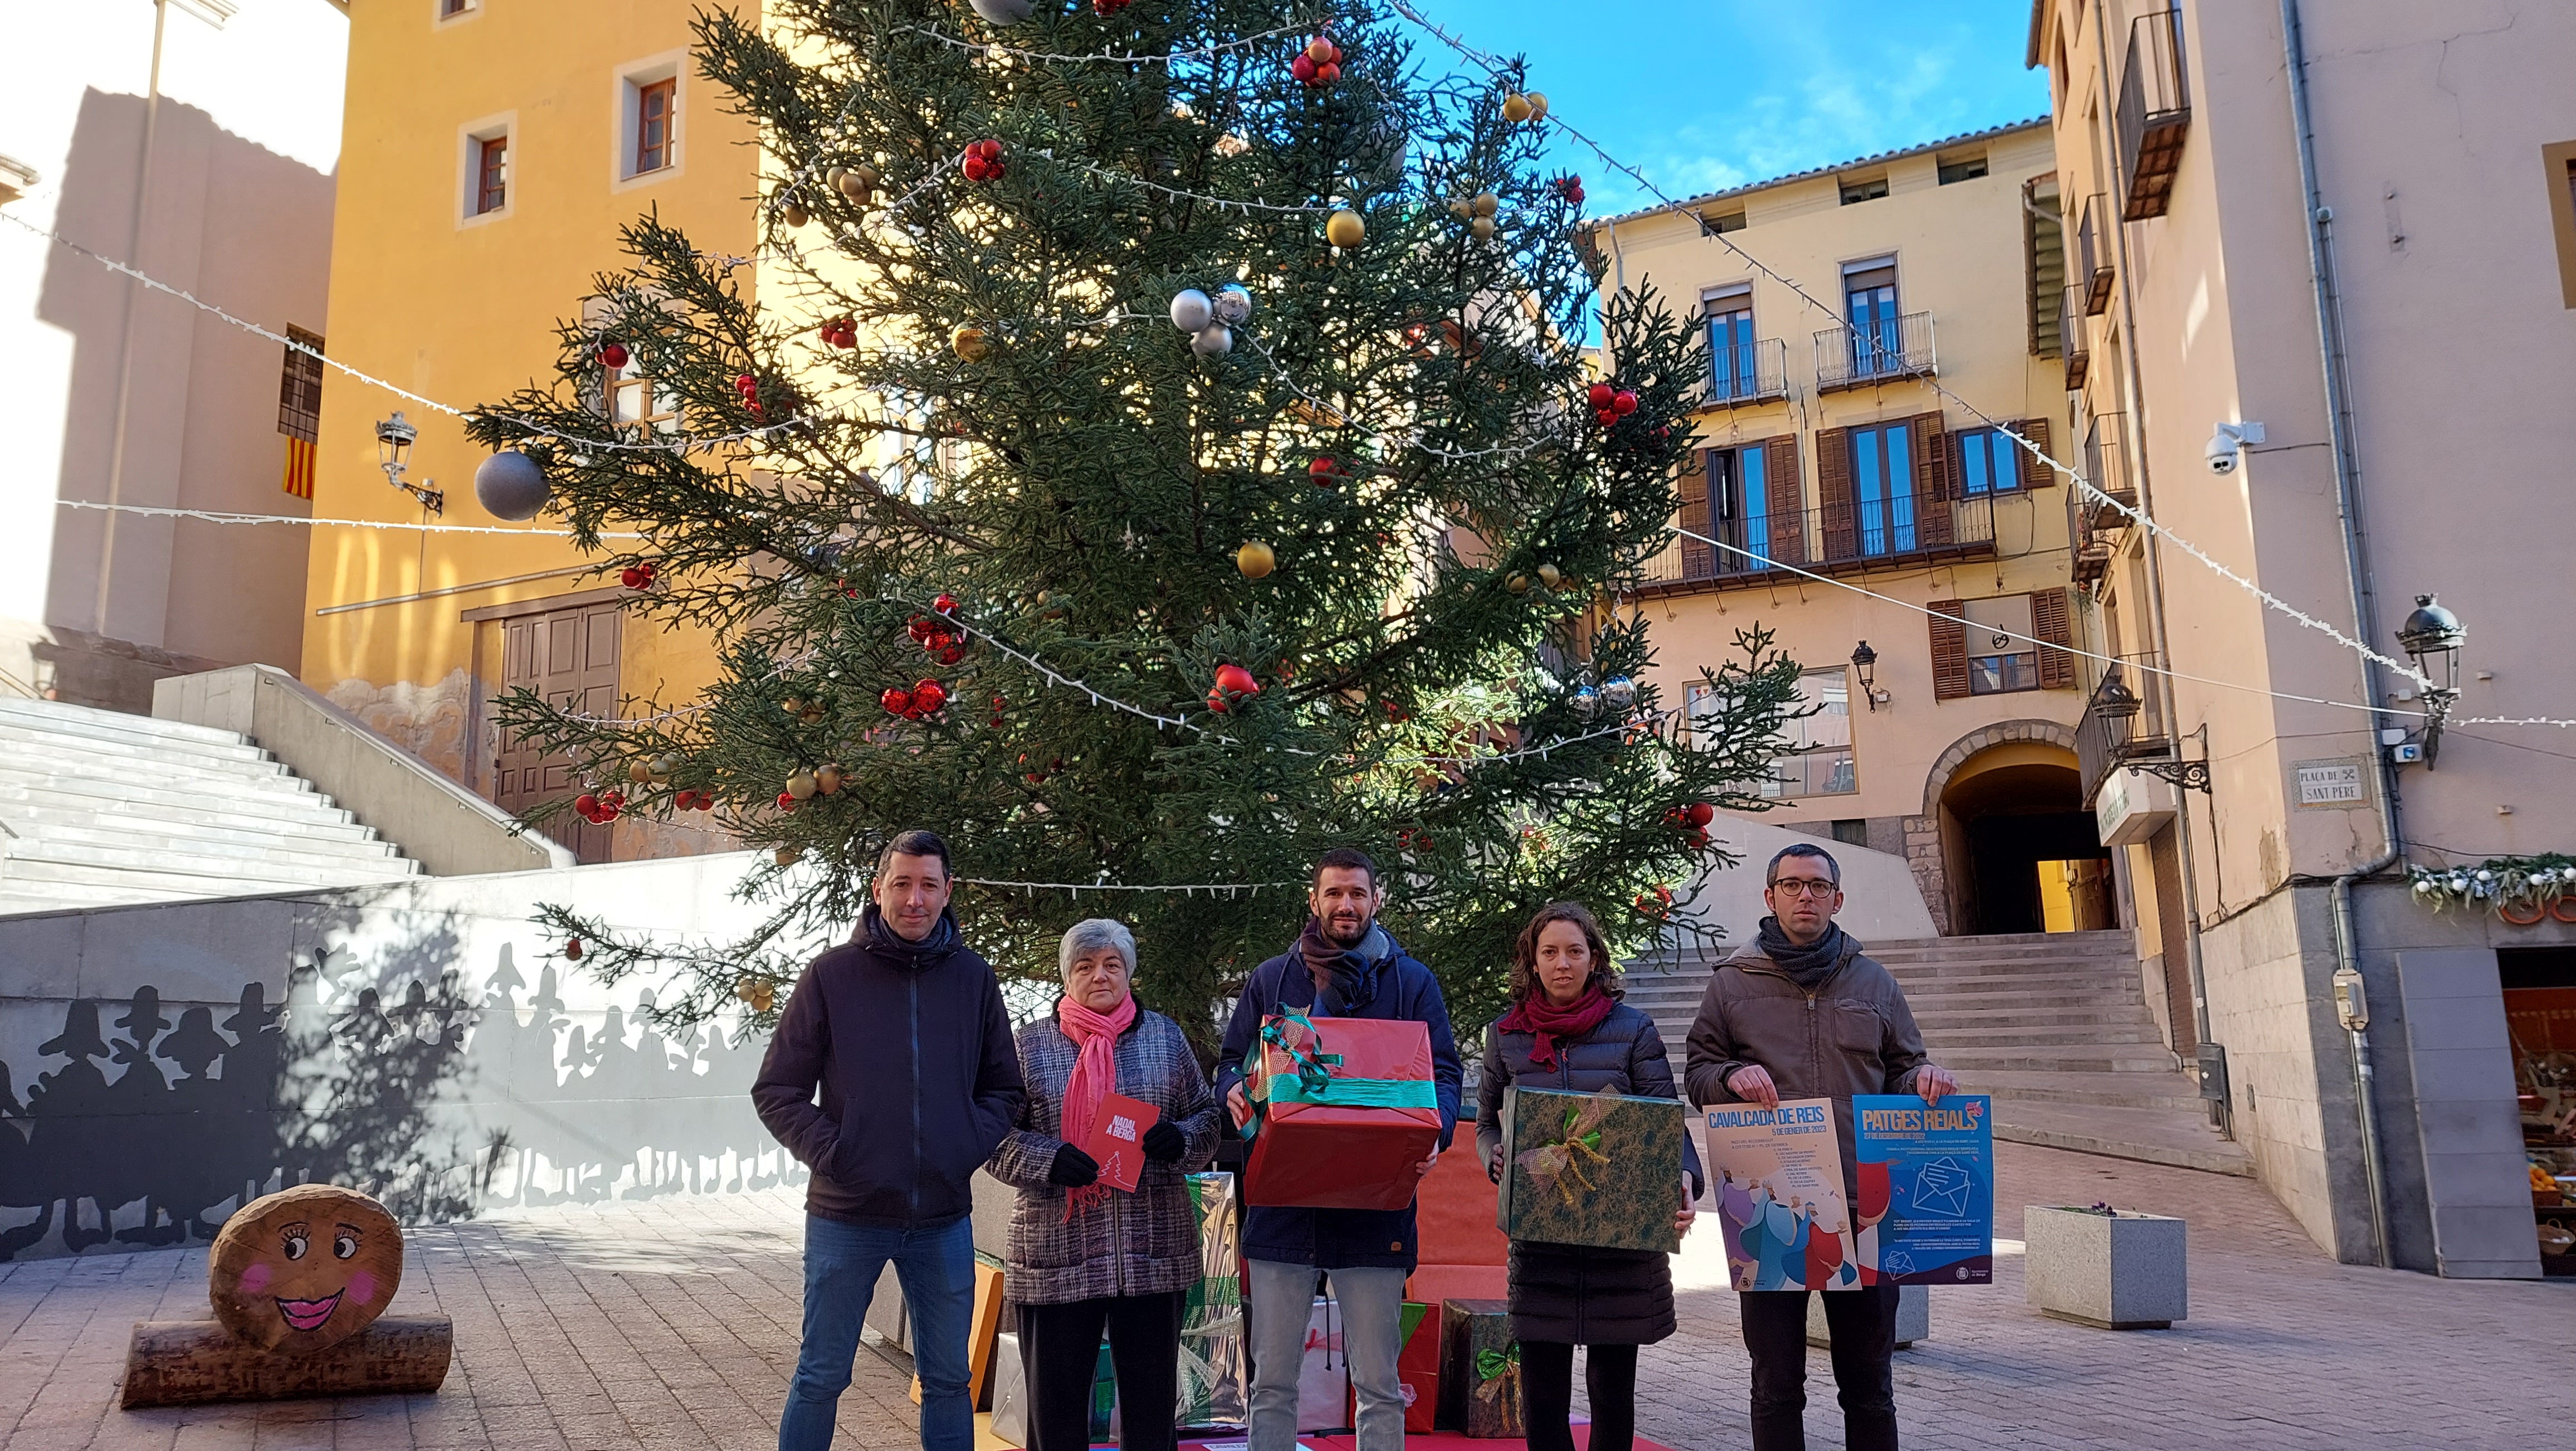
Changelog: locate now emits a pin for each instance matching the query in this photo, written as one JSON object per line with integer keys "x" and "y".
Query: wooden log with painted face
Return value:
{"x": 305, "y": 1268}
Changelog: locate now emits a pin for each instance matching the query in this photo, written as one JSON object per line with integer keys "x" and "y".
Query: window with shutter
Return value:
{"x": 1834, "y": 493}
{"x": 2051, "y": 621}
{"x": 2033, "y": 472}
{"x": 1699, "y": 560}
{"x": 1932, "y": 475}
{"x": 1788, "y": 500}
{"x": 1949, "y": 649}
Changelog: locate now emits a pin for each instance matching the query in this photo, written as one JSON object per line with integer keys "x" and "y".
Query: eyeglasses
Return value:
{"x": 1804, "y": 886}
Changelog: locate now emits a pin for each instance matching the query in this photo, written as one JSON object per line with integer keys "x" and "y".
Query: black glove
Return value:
{"x": 1164, "y": 1143}
{"x": 1073, "y": 1169}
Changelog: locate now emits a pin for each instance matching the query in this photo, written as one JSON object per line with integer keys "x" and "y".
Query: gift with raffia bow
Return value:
{"x": 1599, "y": 1169}
{"x": 1343, "y": 1109}
{"x": 1480, "y": 1386}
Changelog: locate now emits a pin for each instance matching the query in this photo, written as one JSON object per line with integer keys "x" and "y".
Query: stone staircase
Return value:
{"x": 2054, "y": 1025}
{"x": 99, "y": 807}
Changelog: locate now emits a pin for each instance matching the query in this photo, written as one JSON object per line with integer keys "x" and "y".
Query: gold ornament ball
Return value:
{"x": 832, "y": 176}
{"x": 1516, "y": 108}
{"x": 1486, "y": 204}
{"x": 762, "y": 995}
{"x": 801, "y": 785}
{"x": 1256, "y": 560}
{"x": 1550, "y": 575}
{"x": 812, "y": 715}
{"x": 1537, "y": 105}
{"x": 1345, "y": 229}
{"x": 793, "y": 705}
{"x": 638, "y": 772}
{"x": 794, "y": 215}
{"x": 971, "y": 344}
{"x": 1482, "y": 228}
{"x": 828, "y": 780}
{"x": 1517, "y": 583}
{"x": 1462, "y": 208}
{"x": 661, "y": 768}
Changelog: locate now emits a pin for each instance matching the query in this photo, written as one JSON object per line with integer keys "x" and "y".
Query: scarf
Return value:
{"x": 1810, "y": 965}
{"x": 1094, "y": 1076}
{"x": 885, "y": 942}
{"x": 1354, "y": 970}
{"x": 1548, "y": 1022}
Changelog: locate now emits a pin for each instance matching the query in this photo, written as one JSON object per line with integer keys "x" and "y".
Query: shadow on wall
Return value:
{"x": 391, "y": 1076}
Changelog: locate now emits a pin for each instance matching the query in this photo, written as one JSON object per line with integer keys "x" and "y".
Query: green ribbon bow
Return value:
{"x": 1315, "y": 1081}
{"x": 1494, "y": 1364}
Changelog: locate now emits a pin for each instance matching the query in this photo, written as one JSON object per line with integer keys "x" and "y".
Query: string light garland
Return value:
{"x": 214, "y": 516}
{"x": 1205, "y": 52}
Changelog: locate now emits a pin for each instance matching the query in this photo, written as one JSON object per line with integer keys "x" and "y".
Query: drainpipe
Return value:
{"x": 2221, "y": 1113}
{"x": 2339, "y": 431}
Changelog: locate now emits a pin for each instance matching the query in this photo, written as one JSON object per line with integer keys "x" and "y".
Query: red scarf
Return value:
{"x": 1094, "y": 1076}
{"x": 1547, "y": 1022}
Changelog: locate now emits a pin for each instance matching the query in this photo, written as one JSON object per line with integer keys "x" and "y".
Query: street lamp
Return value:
{"x": 394, "y": 438}
{"x": 2432, "y": 636}
{"x": 1865, "y": 662}
{"x": 2119, "y": 707}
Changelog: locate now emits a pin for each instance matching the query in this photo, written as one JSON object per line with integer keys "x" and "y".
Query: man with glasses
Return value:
{"x": 1803, "y": 1014}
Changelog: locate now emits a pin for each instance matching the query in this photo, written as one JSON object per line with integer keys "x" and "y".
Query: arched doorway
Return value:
{"x": 2019, "y": 853}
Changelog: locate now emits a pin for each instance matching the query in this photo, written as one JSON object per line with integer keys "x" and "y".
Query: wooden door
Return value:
{"x": 570, "y": 658}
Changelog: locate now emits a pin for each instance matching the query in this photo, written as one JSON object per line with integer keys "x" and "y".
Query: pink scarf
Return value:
{"x": 1094, "y": 1076}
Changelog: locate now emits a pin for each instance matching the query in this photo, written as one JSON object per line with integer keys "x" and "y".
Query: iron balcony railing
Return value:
{"x": 2106, "y": 467}
{"x": 2100, "y": 742}
{"x": 2093, "y": 254}
{"x": 1902, "y": 529}
{"x": 1878, "y": 352}
{"x": 2155, "y": 114}
{"x": 2075, "y": 340}
{"x": 1747, "y": 372}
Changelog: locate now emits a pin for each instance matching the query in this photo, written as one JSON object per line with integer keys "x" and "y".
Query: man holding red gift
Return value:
{"x": 1344, "y": 966}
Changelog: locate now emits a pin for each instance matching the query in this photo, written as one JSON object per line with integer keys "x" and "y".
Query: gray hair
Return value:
{"x": 1085, "y": 938}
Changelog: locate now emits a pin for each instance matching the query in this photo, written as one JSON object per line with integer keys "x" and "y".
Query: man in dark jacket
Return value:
{"x": 1343, "y": 966}
{"x": 1802, "y": 1014}
{"x": 902, "y": 1029}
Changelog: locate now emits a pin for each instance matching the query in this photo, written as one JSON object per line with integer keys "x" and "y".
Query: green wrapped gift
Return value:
{"x": 1591, "y": 1168}
{"x": 1480, "y": 1385}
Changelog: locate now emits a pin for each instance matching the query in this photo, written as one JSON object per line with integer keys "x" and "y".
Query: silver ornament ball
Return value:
{"x": 1214, "y": 341}
{"x": 1233, "y": 305}
{"x": 1191, "y": 310}
{"x": 1002, "y": 12}
{"x": 1586, "y": 702}
{"x": 511, "y": 486}
{"x": 1620, "y": 691}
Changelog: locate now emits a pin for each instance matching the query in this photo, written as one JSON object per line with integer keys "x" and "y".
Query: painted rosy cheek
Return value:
{"x": 254, "y": 1281}
{"x": 362, "y": 1288}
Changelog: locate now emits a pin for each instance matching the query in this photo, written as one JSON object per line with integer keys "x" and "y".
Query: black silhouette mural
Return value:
{"x": 145, "y": 1122}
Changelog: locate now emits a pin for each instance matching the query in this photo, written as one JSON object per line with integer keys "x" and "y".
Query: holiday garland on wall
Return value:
{"x": 1196, "y": 468}
{"x": 2522, "y": 890}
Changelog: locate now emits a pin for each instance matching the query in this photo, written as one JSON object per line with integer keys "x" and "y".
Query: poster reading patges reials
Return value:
{"x": 1778, "y": 1191}
{"x": 1927, "y": 1188}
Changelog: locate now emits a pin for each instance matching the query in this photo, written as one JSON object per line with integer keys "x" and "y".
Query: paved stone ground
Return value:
{"x": 672, "y": 1323}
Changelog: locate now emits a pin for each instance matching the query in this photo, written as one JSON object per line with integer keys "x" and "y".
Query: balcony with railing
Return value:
{"x": 1904, "y": 529}
{"x": 2102, "y": 742}
{"x": 2155, "y": 114}
{"x": 2106, "y": 467}
{"x": 1754, "y": 370}
{"x": 2093, "y": 254}
{"x": 1885, "y": 351}
{"x": 2075, "y": 343}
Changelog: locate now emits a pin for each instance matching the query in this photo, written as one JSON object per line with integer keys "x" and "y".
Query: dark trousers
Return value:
{"x": 1547, "y": 1394}
{"x": 1863, "y": 1323}
{"x": 1060, "y": 1350}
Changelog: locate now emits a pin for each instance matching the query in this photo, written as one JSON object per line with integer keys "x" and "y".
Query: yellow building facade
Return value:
{"x": 1827, "y": 467}
{"x": 494, "y": 148}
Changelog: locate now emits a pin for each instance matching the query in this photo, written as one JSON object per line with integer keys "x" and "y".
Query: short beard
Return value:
{"x": 1355, "y": 939}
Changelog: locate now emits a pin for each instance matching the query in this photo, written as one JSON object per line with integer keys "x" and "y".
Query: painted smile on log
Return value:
{"x": 309, "y": 1314}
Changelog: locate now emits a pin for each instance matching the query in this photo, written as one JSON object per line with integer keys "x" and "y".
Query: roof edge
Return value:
{"x": 1875, "y": 158}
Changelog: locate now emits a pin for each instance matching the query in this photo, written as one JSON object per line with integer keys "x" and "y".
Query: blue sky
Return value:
{"x": 1702, "y": 95}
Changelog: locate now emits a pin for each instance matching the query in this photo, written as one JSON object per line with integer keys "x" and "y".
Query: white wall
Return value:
{"x": 1880, "y": 900}
{"x": 233, "y": 203}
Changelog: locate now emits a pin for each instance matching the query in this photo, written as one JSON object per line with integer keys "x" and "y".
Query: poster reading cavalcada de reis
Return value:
{"x": 1777, "y": 1186}
{"x": 1927, "y": 1189}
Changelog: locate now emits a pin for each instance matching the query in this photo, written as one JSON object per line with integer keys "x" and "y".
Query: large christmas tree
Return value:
{"x": 1164, "y": 448}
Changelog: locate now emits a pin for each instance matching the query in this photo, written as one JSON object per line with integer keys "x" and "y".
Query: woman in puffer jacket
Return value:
{"x": 1085, "y": 1256}
{"x": 1568, "y": 1031}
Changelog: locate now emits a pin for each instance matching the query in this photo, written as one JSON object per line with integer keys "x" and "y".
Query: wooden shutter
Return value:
{"x": 2034, "y": 474}
{"x": 1949, "y": 649}
{"x": 1699, "y": 560}
{"x": 1933, "y": 488}
{"x": 2050, "y": 621}
{"x": 1834, "y": 494}
{"x": 1785, "y": 499}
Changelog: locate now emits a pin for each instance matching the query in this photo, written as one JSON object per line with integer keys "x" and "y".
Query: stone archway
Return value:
{"x": 1925, "y": 852}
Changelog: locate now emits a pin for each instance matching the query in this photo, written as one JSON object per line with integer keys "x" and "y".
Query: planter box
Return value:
{"x": 2122, "y": 1271}
{"x": 1913, "y": 1317}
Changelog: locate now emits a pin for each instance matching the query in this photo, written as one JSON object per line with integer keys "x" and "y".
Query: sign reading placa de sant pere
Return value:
{"x": 2331, "y": 785}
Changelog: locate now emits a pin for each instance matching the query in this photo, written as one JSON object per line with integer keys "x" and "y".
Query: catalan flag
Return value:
{"x": 299, "y": 468}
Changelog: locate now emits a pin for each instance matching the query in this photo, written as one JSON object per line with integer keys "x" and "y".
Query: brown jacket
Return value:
{"x": 1853, "y": 1034}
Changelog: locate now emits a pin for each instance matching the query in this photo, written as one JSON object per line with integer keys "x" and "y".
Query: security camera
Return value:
{"x": 2226, "y": 440}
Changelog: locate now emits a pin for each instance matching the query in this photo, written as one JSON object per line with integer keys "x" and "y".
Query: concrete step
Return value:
{"x": 1944, "y": 971}
{"x": 54, "y": 715}
{"x": 2161, "y": 1089}
{"x": 27, "y": 758}
{"x": 80, "y": 792}
{"x": 329, "y": 828}
{"x": 2091, "y": 985}
{"x": 148, "y": 846}
{"x": 240, "y": 755}
{"x": 1959, "y": 1040}
{"x": 2004, "y": 942}
{"x": 2060, "y": 1058}
{"x": 1942, "y": 1016}
{"x": 2150, "y": 1135}
{"x": 175, "y": 880}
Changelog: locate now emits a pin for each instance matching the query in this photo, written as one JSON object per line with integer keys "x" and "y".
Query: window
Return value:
{"x": 299, "y": 389}
{"x": 1993, "y": 646}
{"x": 491, "y": 174}
{"x": 2560, "y": 159}
{"x": 1989, "y": 463}
{"x": 2002, "y": 654}
{"x": 1740, "y": 488}
{"x": 450, "y": 9}
{"x": 1726, "y": 222}
{"x": 635, "y": 401}
{"x": 1864, "y": 191}
{"x": 654, "y": 118}
{"x": 1852, "y": 831}
{"x": 1883, "y": 488}
{"x": 1730, "y": 346}
{"x": 1869, "y": 304}
{"x": 1818, "y": 758}
{"x": 1963, "y": 168}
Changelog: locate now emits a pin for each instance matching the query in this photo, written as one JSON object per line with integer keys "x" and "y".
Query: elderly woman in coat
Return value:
{"x": 1085, "y": 1255}
{"x": 1567, "y": 1030}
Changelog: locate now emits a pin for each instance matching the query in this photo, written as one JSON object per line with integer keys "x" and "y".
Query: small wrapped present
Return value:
{"x": 1345, "y": 1108}
{"x": 1417, "y": 1366}
{"x": 1213, "y": 1379}
{"x": 1480, "y": 1378}
{"x": 1599, "y": 1169}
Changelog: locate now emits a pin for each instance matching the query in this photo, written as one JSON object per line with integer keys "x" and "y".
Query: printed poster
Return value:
{"x": 1777, "y": 1186}
{"x": 1927, "y": 1188}
{"x": 1117, "y": 1140}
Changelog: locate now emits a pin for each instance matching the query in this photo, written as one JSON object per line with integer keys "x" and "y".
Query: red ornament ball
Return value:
{"x": 929, "y": 696}
{"x": 1235, "y": 680}
{"x": 631, "y": 577}
{"x": 1327, "y": 73}
{"x": 612, "y": 355}
{"x": 946, "y": 604}
{"x": 976, "y": 168}
{"x": 572, "y": 949}
{"x": 586, "y": 804}
{"x": 786, "y": 802}
{"x": 1601, "y": 395}
{"x": 1700, "y": 813}
{"x": 1302, "y": 68}
{"x": 896, "y": 700}
{"x": 1325, "y": 472}
{"x": 950, "y": 654}
{"x": 1623, "y": 403}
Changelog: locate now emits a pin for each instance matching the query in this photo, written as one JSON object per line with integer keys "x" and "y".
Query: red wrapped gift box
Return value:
{"x": 1348, "y": 1107}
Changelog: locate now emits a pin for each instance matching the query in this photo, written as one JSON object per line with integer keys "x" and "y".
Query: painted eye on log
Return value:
{"x": 295, "y": 1246}
{"x": 345, "y": 1246}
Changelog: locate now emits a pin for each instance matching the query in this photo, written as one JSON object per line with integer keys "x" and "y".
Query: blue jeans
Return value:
{"x": 1371, "y": 1302}
{"x": 842, "y": 1263}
